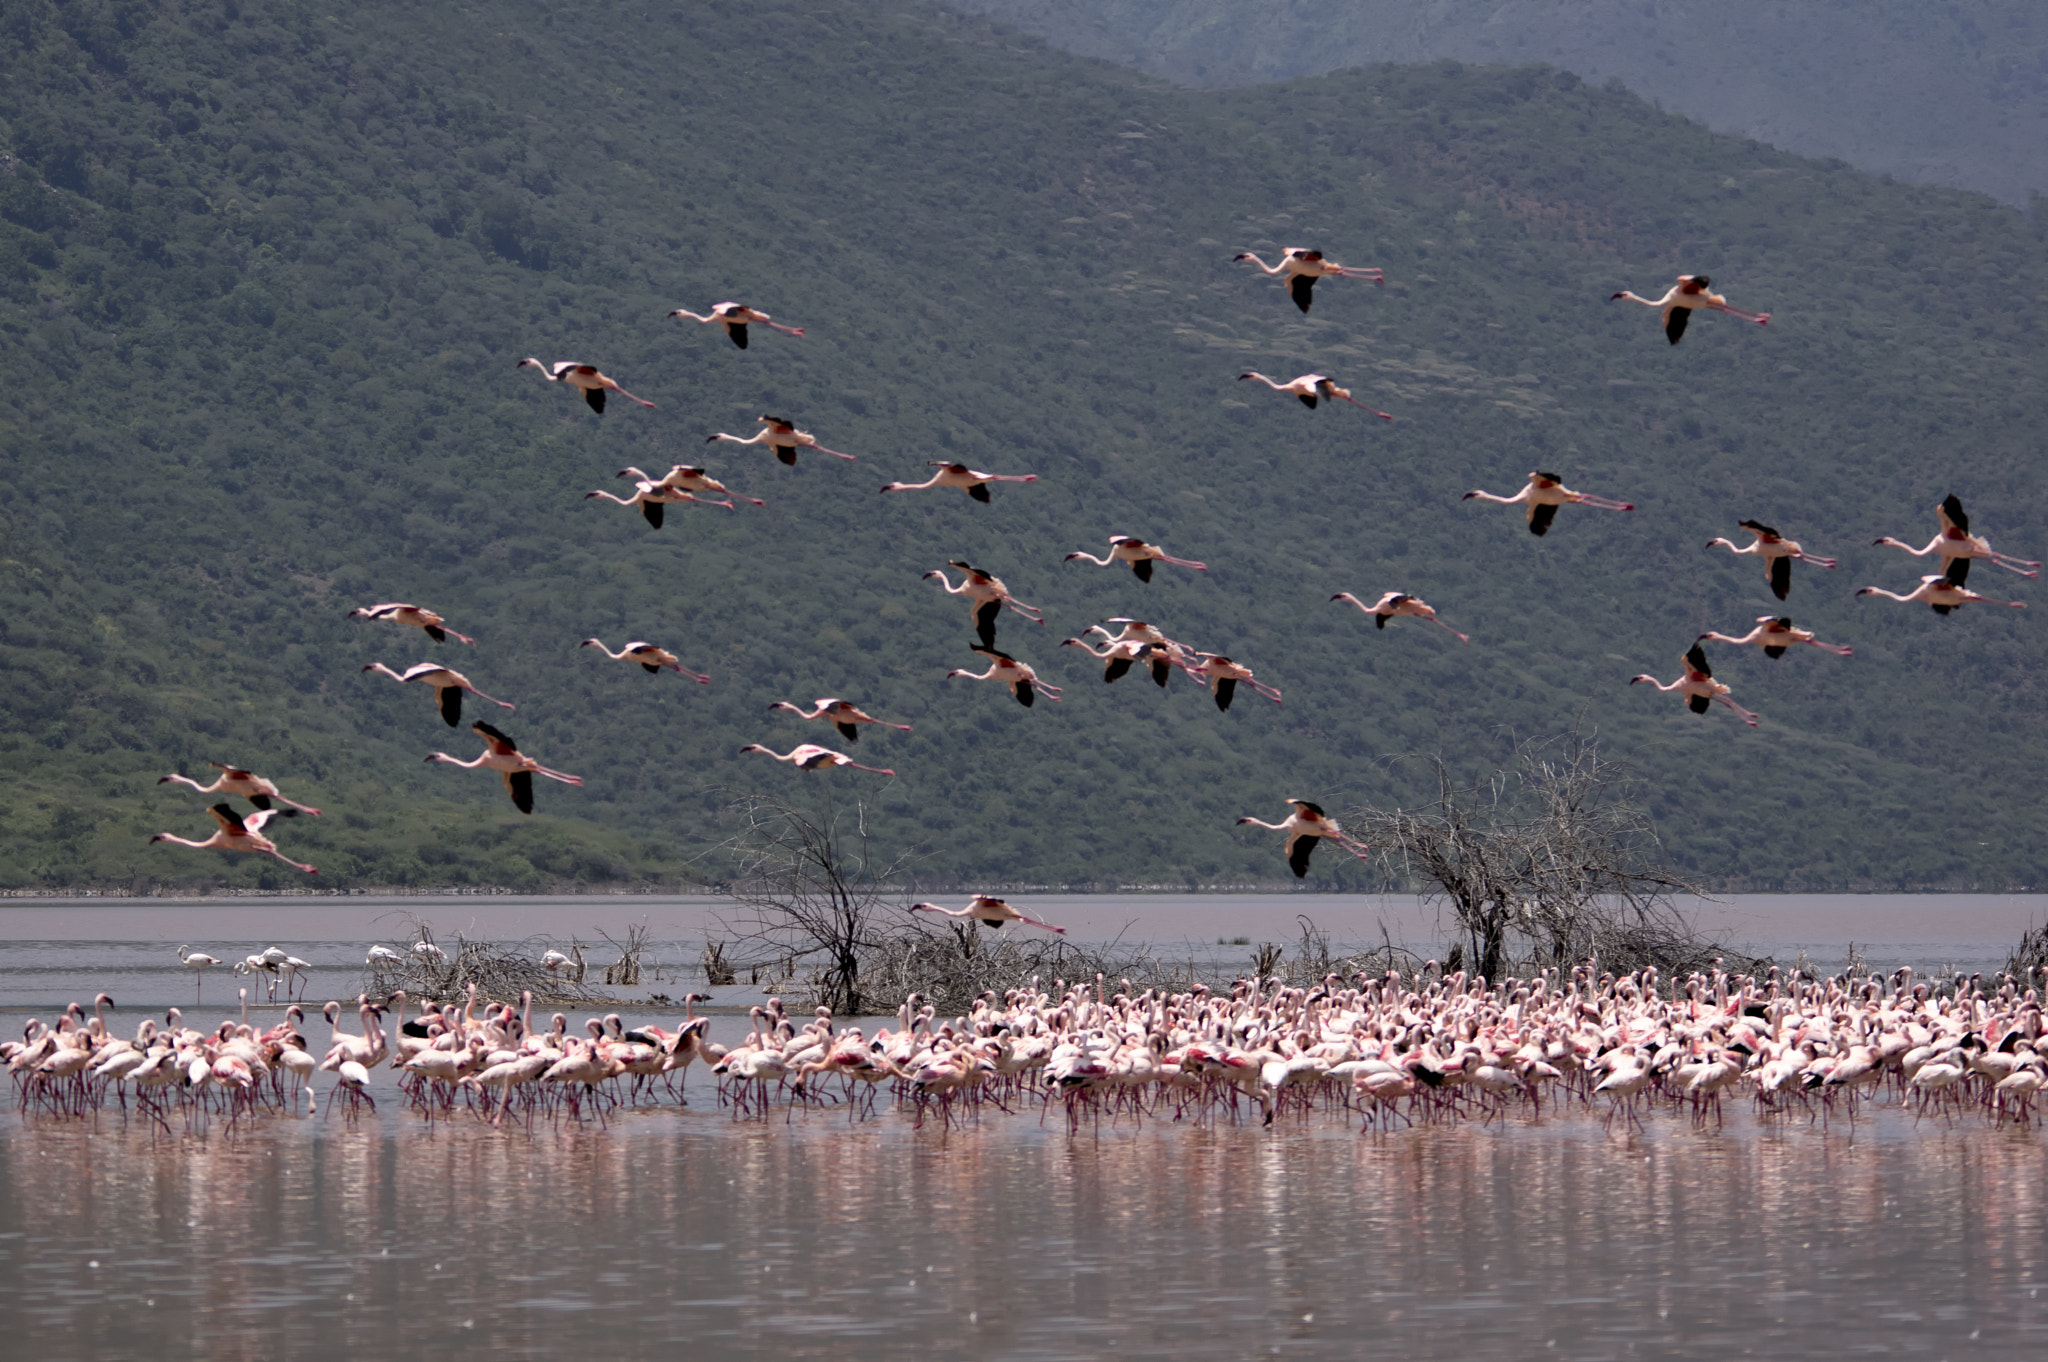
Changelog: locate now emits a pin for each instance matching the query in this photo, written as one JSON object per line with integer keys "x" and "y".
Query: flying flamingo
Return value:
{"x": 1939, "y": 592}
{"x": 1313, "y": 388}
{"x": 1022, "y": 681}
{"x": 500, "y": 754}
{"x": 593, "y": 384}
{"x": 1124, "y": 548}
{"x": 1300, "y": 269}
{"x": 237, "y": 833}
{"x": 735, "y": 318}
{"x": 811, "y": 757}
{"x": 448, "y": 686}
{"x": 398, "y": 612}
{"x": 971, "y": 481}
{"x": 233, "y": 780}
{"x": 989, "y": 911}
{"x": 1698, "y": 685}
{"x": 687, "y": 477}
{"x": 1165, "y": 653}
{"x": 198, "y": 962}
{"x": 1119, "y": 654}
{"x": 844, "y": 714}
{"x": 782, "y": 438}
{"x": 648, "y": 656}
{"x": 1684, "y": 298}
{"x": 1958, "y": 546}
{"x": 1777, "y": 552}
{"x": 1394, "y": 604}
{"x": 1544, "y": 493}
{"x": 1774, "y": 634}
{"x": 989, "y": 595}
{"x": 651, "y": 497}
{"x": 1225, "y": 675}
{"x": 1305, "y": 827}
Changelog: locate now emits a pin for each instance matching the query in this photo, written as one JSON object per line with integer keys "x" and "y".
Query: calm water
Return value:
{"x": 1003, "y": 1238}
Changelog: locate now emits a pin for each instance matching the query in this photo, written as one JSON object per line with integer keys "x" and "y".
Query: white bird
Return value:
{"x": 1778, "y": 553}
{"x": 844, "y": 714}
{"x": 427, "y": 950}
{"x": 1698, "y": 685}
{"x": 555, "y": 960}
{"x": 237, "y": 833}
{"x": 1018, "y": 676}
{"x": 1685, "y": 297}
{"x": 989, "y": 595}
{"x": 1125, "y": 548}
{"x": 653, "y": 498}
{"x": 811, "y": 757}
{"x": 502, "y": 755}
{"x": 735, "y": 318}
{"x": 1300, "y": 269}
{"x": 1305, "y": 827}
{"x": 1542, "y": 496}
{"x": 648, "y": 656}
{"x": 989, "y": 911}
{"x": 969, "y": 480}
{"x": 1394, "y": 604}
{"x": 584, "y": 377}
{"x": 233, "y": 780}
{"x": 1774, "y": 634}
{"x": 383, "y": 958}
{"x": 1957, "y": 546}
{"x": 687, "y": 477}
{"x": 198, "y": 962}
{"x": 1311, "y": 389}
{"x": 448, "y": 687}
{"x": 399, "y": 612}
{"x": 1223, "y": 674}
{"x": 1941, "y": 593}
{"x": 782, "y": 438}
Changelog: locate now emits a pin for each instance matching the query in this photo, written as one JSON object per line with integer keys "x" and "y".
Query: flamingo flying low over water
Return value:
{"x": 782, "y": 438}
{"x": 1542, "y": 496}
{"x": 735, "y": 318}
{"x": 1223, "y": 674}
{"x": 233, "y": 780}
{"x": 1396, "y": 603}
{"x": 1018, "y": 676}
{"x": 1684, "y": 298}
{"x": 989, "y": 911}
{"x": 1305, "y": 827}
{"x": 1126, "y": 548}
{"x": 585, "y": 377}
{"x": 652, "y": 498}
{"x": 1698, "y": 685}
{"x": 1774, "y": 634}
{"x": 648, "y": 655}
{"x": 989, "y": 595}
{"x": 502, "y": 755}
{"x": 448, "y": 687}
{"x": 399, "y": 612}
{"x": 1957, "y": 546}
{"x": 844, "y": 714}
{"x": 1301, "y": 268}
{"x": 811, "y": 757}
{"x": 237, "y": 833}
{"x": 687, "y": 477}
{"x": 1939, "y": 592}
{"x": 1777, "y": 551}
{"x": 1311, "y": 389}
{"x": 969, "y": 480}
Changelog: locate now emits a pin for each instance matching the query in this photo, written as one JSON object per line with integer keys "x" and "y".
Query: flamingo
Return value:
{"x": 198, "y": 962}
{"x": 811, "y": 757}
{"x": 987, "y": 910}
{"x": 1774, "y": 634}
{"x": 1685, "y": 297}
{"x": 382, "y": 958}
{"x": 735, "y": 318}
{"x": 1777, "y": 551}
{"x": 648, "y": 656}
{"x": 237, "y": 833}
{"x": 1125, "y": 548}
{"x": 1958, "y": 546}
{"x": 844, "y": 714}
{"x": 971, "y": 481}
{"x": 448, "y": 687}
{"x": 687, "y": 477}
{"x": 1698, "y": 685}
{"x": 652, "y": 497}
{"x": 1225, "y": 675}
{"x": 234, "y": 780}
{"x": 585, "y": 377}
{"x": 1300, "y": 269}
{"x": 989, "y": 595}
{"x": 1394, "y": 604}
{"x": 399, "y": 612}
{"x": 782, "y": 438}
{"x": 1311, "y": 389}
{"x": 1118, "y": 655}
{"x": 1165, "y": 654}
{"x": 502, "y": 755}
{"x": 1305, "y": 827}
{"x": 1941, "y": 593}
{"x": 1544, "y": 493}
{"x": 1022, "y": 681}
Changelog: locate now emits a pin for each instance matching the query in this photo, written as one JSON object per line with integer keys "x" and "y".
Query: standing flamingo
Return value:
{"x": 1022, "y": 681}
{"x": 1305, "y": 827}
{"x": 782, "y": 438}
{"x": 647, "y": 655}
{"x": 237, "y": 833}
{"x": 1957, "y": 546}
{"x": 1939, "y": 592}
{"x": 735, "y": 318}
{"x": 1542, "y": 496}
{"x": 1125, "y": 548}
{"x": 1698, "y": 685}
{"x": 585, "y": 377}
{"x": 1774, "y": 634}
{"x": 198, "y": 962}
{"x": 969, "y": 480}
{"x": 1311, "y": 389}
{"x": 844, "y": 714}
{"x": 1777, "y": 551}
{"x": 989, "y": 595}
{"x": 811, "y": 757}
{"x": 502, "y": 755}
{"x": 1225, "y": 674}
{"x": 1299, "y": 269}
{"x": 987, "y": 910}
{"x": 687, "y": 477}
{"x": 398, "y": 612}
{"x": 448, "y": 687}
{"x": 1685, "y": 297}
{"x": 233, "y": 780}
{"x": 652, "y": 497}
{"x": 1394, "y": 604}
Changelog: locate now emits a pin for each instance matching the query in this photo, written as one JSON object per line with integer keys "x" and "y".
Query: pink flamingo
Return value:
{"x": 1774, "y": 634}
{"x": 735, "y": 318}
{"x": 989, "y": 595}
{"x": 1118, "y": 655}
{"x": 1125, "y": 548}
{"x": 1300, "y": 269}
{"x": 1224, "y": 675}
{"x": 1939, "y": 592}
{"x": 1544, "y": 493}
{"x": 1685, "y": 297}
{"x": 1395, "y": 604}
{"x": 969, "y": 480}
{"x": 233, "y": 780}
{"x": 844, "y": 714}
{"x": 687, "y": 477}
{"x": 651, "y": 497}
{"x": 782, "y": 438}
{"x": 1777, "y": 551}
{"x": 647, "y": 655}
{"x": 811, "y": 757}
{"x": 1305, "y": 827}
{"x": 987, "y": 910}
{"x": 1311, "y": 389}
{"x": 1022, "y": 681}
{"x": 398, "y": 612}
{"x": 448, "y": 687}
{"x": 1698, "y": 685}
{"x": 585, "y": 377}
{"x": 502, "y": 755}
{"x": 237, "y": 833}
{"x": 1957, "y": 546}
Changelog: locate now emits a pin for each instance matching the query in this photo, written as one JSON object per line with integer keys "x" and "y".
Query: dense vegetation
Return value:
{"x": 267, "y": 271}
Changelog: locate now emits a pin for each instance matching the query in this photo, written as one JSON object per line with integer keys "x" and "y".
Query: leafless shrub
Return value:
{"x": 953, "y": 963}
{"x": 2031, "y": 954}
{"x": 627, "y": 971}
{"x": 501, "y": 970}
{"x": 717, "y": 972}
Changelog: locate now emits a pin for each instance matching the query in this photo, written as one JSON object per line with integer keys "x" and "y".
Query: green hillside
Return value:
{"x": 268, "y": 271}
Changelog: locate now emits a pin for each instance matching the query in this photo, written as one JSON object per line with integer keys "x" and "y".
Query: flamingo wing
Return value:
{"x": 451, "y": 705}
{"x": 1302, "y": 288}
{"x": 655, "y": 511}
{"x": 519, "y": 784}
{"x": 1540, "y": 517}
{"x": 738, "y": 332}
{"x": 1143, "y": 568}
{"x": 496, "y": 738}
{"x": 1675, "y": 319}
{"x": 1781, "y": 577}
{"x": 1298, "y": 854}
{"x": 1226, "y": 691}
{"x": 595, "y": 397}
{"x": 979, "y": 492}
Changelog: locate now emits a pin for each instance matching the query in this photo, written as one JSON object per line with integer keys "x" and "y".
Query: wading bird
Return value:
{"x": 1124, "y": 548}
{"x": 989, "y": 911}
{"x": 1305, "y": 827}
{"x": 647, "y": 655}
{"x": 398, "y": 612}
{"x": 585, "y": 377}
{"x": 237, "y": 833}
{"x": 198, "y": 962}
{"x": 1777, "y": 551}
{"x": 687, "y": 477}
{"x": 1394, "y": 604}
{"x": 1698, "y": 685}
{"x": 1299, "y": 269}
{"x": 1022, "y": 681}
{"x": 1311, "y": 389}
{"x": 844, "y": 714}
{"x": 1223, "y": 676}
{"x": 810, "y": 757}
{"x": 735, "y": 318}
{"x": 1685, "y": 297}
{"x": 1165, "y": 654}
{"x": 1957, "y": 546}
{"x": 782, "y": 438}
{"x": 448, "y": 687}
{"x": 1118, "y": 655}
{"x": 1938, "y": 591}
{"x": 1542, "y": 496}
{"x": 502, "y": 755}
{"x": 971, "y": 481}
{"x": 1774, "y": 634}
{"x": 989, "y": 596}
{"x": 233, "y": 780}
{"x": 652, "y": 497}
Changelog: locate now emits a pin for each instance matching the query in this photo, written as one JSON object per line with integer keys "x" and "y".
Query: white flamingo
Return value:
{"x": 583, "y": 377}
{"x": 502, "y": 755}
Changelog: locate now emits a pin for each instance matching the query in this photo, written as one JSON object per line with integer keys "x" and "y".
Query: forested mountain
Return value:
{"x": 1951, "y": 92}
{"x": 269, "y": 269}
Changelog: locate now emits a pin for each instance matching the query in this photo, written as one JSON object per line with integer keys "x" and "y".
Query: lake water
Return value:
{"x": 674, "y": 1229}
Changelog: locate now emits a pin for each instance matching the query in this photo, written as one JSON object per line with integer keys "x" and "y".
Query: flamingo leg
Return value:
{"x": 1603, "y": 503}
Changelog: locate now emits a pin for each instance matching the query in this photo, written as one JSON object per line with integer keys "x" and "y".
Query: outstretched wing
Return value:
{"x": 492, "y": 735}
{"x": 1675, "y": 319}
{"x": 1026, "y": 694}
{"x": 519, "y": 784}
{"x": 979, "y": 491}
{"x": 738, "y": 332}
{"x": 850, "y": 732}
{"x": 1116, "y": 668}
{"x": 1699, "y": 704}
{"x": 1958, "y": 571}
{"x": 1781, "y": 577}
{"x": 1226, "y": 691}
{"x": 229, "y": 820}
{"x": 1540, "y": 517}
{"x": 1298, "y": 854}
{"x": 1143, "y": 568}
{"x": 1302, "y": 287}
{"x": 595, "y": 397}
{"x": 985, "y": 616}
{"x": 451, "y": 705}
{"x": 654, "y": 511}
